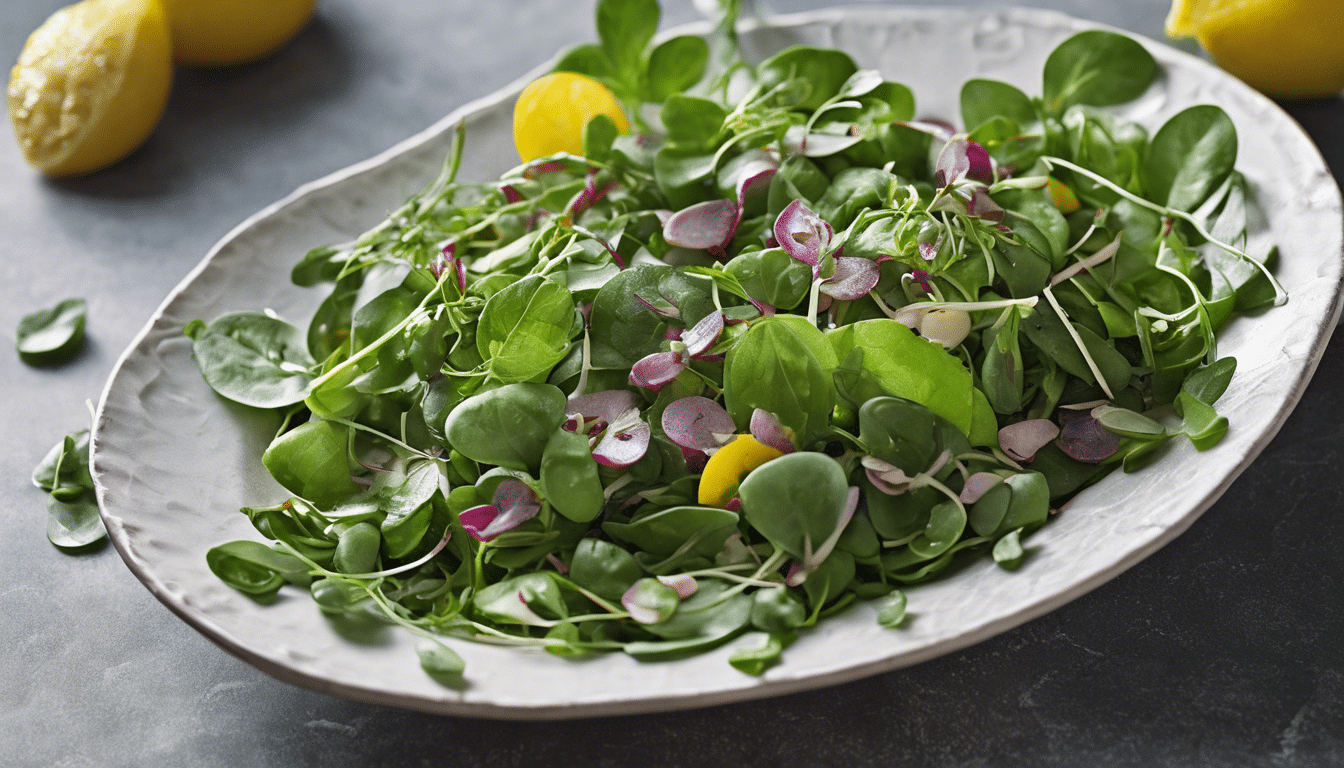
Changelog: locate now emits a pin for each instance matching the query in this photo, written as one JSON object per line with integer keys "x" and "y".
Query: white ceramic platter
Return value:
{"x": 173, "y": 462}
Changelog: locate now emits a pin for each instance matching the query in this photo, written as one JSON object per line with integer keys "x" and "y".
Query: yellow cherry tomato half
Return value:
{"x": 726, "y": 468}
{"x": 552, "y": 110}
{"x": 1065, "y": 200}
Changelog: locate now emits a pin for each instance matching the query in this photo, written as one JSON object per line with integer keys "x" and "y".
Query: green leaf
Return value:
{"x": 817, "y": 74}
{"x": 507, "y": 427}
{"x": 52, "y": 335}
{"x": 777, "y": 610}
{"x": 1008, "y": 550}
{"x": 754, "y": 661}
{"x": 525, "y": 329}
{"x": 905, "y": 365}
{"x": 625, "y": 27}
{"x": 666, "y": 531}
{"x": 603, "y": 568}
{"x": 74, "y": 522}
{"x": 891, "y": 611}
{"x": 1127, "y": 423}
{"x": 1210, "y": 382}
{"x": 675, "y": 65}
{"x": 782, "y": 365}
{"x": 438, "y": 659}
{"x": 310, "y": 461}
{"x": 797, "y": 501}
{"x": 598, "y": 135}
{"x": 692, "y": 122}
{"x": 254, "y": 359}
{"x": 1098, "y": 68}
{"x": 585, "y": 59}
{"x": 984, "y": 100}
{"x": 1201, "y": 423}
{"x": 251, "y": 567}
{"x": 1190, "y": 156}
{"x": 569, "y": 477}
{"x": 357, "y": 549}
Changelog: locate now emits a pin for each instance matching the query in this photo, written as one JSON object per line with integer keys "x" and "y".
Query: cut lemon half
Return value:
{"x": 90, "y": 84}
{"x": 1286, "y": 48}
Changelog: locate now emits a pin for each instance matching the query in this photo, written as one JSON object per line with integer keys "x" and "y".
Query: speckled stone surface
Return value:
{"x": 1224, "y": 648}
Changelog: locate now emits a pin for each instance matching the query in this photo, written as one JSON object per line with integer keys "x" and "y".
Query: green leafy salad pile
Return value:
{"x": 783, "y": 348}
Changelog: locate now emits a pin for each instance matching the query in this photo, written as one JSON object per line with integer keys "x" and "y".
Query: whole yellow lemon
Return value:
{"x": 90, "y": 84}
{"x": 1286, "y": 48}
{"x": 227, "y": 32}
{"x": 552, "y": 110}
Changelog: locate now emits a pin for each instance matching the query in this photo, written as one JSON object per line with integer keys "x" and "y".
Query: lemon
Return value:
{"x": 225, "y": 32}
{"x": 552, "y": 110}
{"x": 90, "y": 84}
{"x": 1062, "y": 195}
{"x": 725, "y": 469}
{"x": 1286, "y": 48}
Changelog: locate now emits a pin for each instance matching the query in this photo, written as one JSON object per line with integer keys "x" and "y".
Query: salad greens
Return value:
{"x": 783, "y": 349}
{"x": 52, "y": 335}
{"x": 72, "y": 509}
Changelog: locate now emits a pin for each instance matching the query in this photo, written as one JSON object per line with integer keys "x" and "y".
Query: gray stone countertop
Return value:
{"x": 1224, "y": 648}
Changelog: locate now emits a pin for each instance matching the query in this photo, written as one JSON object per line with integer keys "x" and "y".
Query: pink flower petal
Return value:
{"x": 657, "y": 369}
{"x": 702, "y": 226}
{"x": 1023, "y": 439}
{"x": 696, "y": 423}
{"x": 854, "y": 277}
{"x": 978, "y": 485}
{"x": 625, "y": 441}
{"x": 768, "y": 430}
{"x": 510, "y": 194}
{"x": 685, "y": 585}
{"x": 803, "y": 234}
{"x": 607, "y": 406}
{"x": 700, "y": 338}
{"x": 514, "y": 504}
{"x": 667, "y": 311}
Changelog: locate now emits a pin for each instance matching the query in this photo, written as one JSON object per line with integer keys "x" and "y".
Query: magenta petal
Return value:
{"x": 510, "y": 194}
{"x": 701, "y": 337}
{"x": 984, "y": 207}
{"x": 625, "y": 441}
{"x": 667, "y": 310}
{"x": 663, "y": 215}
{"x": 1084, "y": 439}
{"x": 854, "y": 277}
{"x": 769, "y": 431}
{"x": 978, "y": 485}
{"x": 477, "y": 519}
{"x": 514, "y": 504}
{"x": 1023, "y": 439}
{"x": 796, "y": 575}
{"x": 697, "y": 423}
{"x": 608, "y": 406}
{"x": 704, "y": 225}
{"x": 875, "y": 477}
{"x": 803, "y": 234}
{"x": 656, "y": 370}
{"x": 981, "y": 166}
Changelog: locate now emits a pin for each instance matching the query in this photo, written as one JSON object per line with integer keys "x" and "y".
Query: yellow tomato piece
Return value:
{"x": 225, "y": 32}
{"x": 1287, "y": 48}
{"x": 726, "y": 468}
{"x": 90, "y": 84}
{"x": 1064, "y": 198}
{"x": 553, "y": 109}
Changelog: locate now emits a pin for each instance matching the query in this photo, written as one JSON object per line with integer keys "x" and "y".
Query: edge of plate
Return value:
{"x": 767, "y": 688}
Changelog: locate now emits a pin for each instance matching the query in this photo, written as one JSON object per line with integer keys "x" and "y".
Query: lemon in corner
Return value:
{"x": 1284, "y": 48}
{"x": 220, "y": 33}
{"x": 90, "y": 84}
